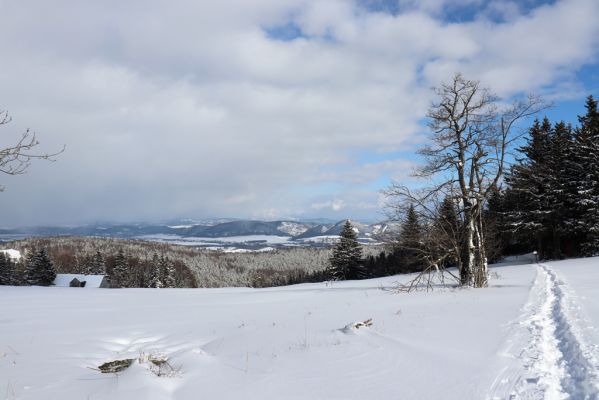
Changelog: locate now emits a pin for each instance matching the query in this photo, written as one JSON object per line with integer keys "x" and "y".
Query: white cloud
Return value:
{"x": 334, "y": 205}
{"x": 191, "y": 108}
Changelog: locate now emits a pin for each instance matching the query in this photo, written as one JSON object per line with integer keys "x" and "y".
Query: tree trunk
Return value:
{"x": 481, "y": 275}
{"x": 467, "y": 252}
{"x": 473, "y": 269}
{"x": 557, "y": 248}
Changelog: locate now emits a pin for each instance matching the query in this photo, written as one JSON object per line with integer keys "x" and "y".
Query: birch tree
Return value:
{"x": 466, "y": 158}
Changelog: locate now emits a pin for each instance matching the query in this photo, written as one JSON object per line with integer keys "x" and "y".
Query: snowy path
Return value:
{"x": 552, "y": 356}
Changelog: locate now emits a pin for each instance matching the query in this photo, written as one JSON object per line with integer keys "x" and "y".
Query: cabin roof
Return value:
{"x": 92, "y": 281}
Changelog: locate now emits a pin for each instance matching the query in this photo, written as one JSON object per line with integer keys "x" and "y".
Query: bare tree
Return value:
{"x": 466, "y": 159}
{"x": 15, "y": 159}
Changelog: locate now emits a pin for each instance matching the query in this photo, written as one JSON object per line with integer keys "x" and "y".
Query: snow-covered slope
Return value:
{"x": 207, "y": 229}
{"x": 518, "y": 339}
{"x": 553, "y": 351}
{"x": 293, "y": 228}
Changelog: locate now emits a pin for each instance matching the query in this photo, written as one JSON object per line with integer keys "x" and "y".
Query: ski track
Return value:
{"x": 551, "y": 358}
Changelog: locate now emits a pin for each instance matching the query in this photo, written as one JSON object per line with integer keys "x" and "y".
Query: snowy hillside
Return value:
{"x": 529, "y": 335}
{"x": 188, "y": 231}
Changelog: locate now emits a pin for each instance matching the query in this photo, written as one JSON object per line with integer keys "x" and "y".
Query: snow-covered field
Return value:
{"x": 216, "y": 242}
{"x": 531, "y": 335}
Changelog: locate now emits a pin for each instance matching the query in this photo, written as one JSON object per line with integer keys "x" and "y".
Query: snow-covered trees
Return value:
{"x": 553, "y": 189}
{"x": 167, "y": 272}
{"x": 533, "y": 185}
{"x": 346, "y": 261}
{"x": 587, "y": 158}
{"x": 40, "y": 269}
{"x": 119, "y": 271}
{"x": 96, "y": 265}
{"x": 161, "y": 272}
{"x": 154, "y": 280}
{"x": 7, "y": 274}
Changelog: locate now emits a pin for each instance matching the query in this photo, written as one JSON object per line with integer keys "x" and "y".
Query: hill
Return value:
{"x": 207, "y": 233}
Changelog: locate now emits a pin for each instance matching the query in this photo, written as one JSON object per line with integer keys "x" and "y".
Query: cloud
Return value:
{"x": 334, "y": 205}
{"x": 199, "y": 109}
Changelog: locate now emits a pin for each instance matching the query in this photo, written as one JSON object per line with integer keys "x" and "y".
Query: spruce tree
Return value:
{"x": 5, "y": 273}
{"x": 528, "y": 180}
{"x": 587, "y": 140}
{"x": 167, "y": 273}
{"x": 96, "y": 265}
{"x": 553, "y": 190}
{"x": 40, "y": 269}
{"x": 119, "y": 271}
{"x": 445, "y": 235}
{"x": 155, "y": 281}
{"x": 560, "y": 199}
{"x": 346, "y": 261}
{"x": 411, "y": 243}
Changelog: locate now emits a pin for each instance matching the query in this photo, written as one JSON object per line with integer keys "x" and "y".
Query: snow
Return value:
{"x": 236, "y": 250}
{"x": 553, "y": 348}
{"x": 206, "y": 241}
{"x": 12, "y": 253}
{"x": 526, "y": 336}
{"x": 320, "y": 239}
{"x": 292, "y": 228}
{"x": 91, "y": 281}
{"x": 332, "y": 239}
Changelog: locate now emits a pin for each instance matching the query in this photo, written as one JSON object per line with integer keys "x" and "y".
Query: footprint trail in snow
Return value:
{"x": 552, "y": 359}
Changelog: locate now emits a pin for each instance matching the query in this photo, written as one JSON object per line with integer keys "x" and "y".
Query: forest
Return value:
{"x": 145, "y": 263}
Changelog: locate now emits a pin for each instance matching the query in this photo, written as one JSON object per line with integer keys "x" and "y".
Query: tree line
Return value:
{"x": 201, "y": 267}
{"x": 418, "y": 244}
{"x": 546, "y": 201}
{"x": 38, "y": 267}
{"x": 37, "y": 270}
{"x": 550, "y": 202}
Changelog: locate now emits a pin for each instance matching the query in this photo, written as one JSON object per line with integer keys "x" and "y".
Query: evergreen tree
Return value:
{"x": 528, "y": 181}
{"x": 96, "y": 265}
{"x": 167, "y": 273}
{"x": 445, "y": 236}
{"x": 587, "y": 140}
{"x": 411, "y": 243}
{"x": 346, "y": 261}
{"x": 560, "y": 199}
{"x": 553, "y": 191}
{"x": 493, "y": 219}
{"x": 155, "y": 281}
{"x": 170, "y": 278}
{"x": 119, "y": 272}
{"x": 5, "y": 272}
{"x": 40, "y": 269}
{"x": 29, "y": 265}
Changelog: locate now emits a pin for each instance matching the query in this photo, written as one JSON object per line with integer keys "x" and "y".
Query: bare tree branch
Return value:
{"x": 15, "y": 159}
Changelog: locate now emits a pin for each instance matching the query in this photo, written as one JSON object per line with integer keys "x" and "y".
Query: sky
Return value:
{"x": 262, "y": 109}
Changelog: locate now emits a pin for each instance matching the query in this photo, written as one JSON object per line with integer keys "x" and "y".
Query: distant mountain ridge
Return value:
{"x": 223, "y": 228}
{"x": 248, "y": 227}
